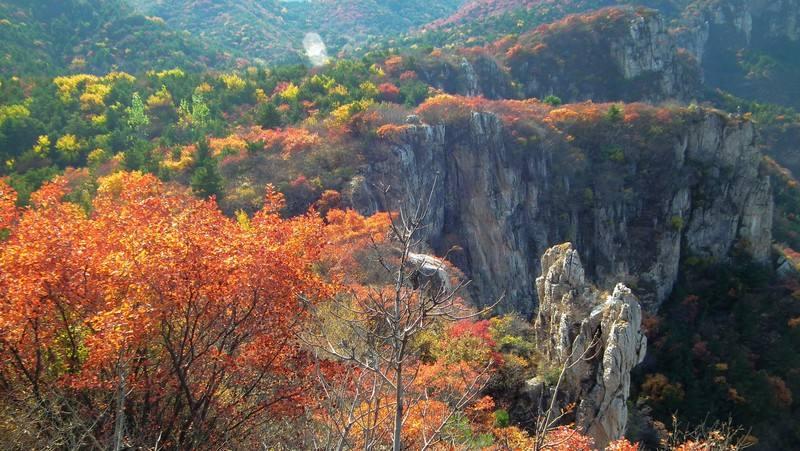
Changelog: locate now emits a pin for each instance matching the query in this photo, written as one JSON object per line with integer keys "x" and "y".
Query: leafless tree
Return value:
{"x": 47, "y": 421}
{"x": 375, "y": 339}
{"x": 716, "y": 436}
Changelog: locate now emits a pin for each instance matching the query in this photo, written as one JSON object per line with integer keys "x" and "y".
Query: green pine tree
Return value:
{"x": 206, "y": 179}
{"x": 137, "y": 116}
{"x": 268, "y": 116}
{"x": 615, "y": 113}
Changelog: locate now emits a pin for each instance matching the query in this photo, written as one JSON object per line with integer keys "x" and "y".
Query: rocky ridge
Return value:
{"x": 596, "y": 340}
{"x": 745, "y": 46}
{"x": 611, "y": 54}
{"x": 751, "y": 20}
{"x": 696, "y": 193}
{"x": 476, "y": 75}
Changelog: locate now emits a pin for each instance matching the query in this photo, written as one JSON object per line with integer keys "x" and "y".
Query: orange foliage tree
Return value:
{"x": 155, "y": 319}
{"x": 288, "y": 141}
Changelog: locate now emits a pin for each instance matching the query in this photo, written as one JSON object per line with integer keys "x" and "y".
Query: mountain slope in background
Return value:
{"x": 749, "y": 48}
{"x": 746, "y": 47}
{"x": 353, "y": 22}
{"x": 52, "y": 36}
{"x": 475, "y": 10}
{"x": 270, "y": 30}
{"x": 481, "y": 10}
{"x": 245, "y": 28}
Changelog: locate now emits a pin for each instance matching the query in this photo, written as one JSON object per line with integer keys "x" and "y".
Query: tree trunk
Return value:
{"x": 398, "y": 410}
{"x": 119, "y": 426}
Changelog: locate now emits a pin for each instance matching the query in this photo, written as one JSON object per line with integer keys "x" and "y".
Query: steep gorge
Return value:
{"x": 746, "y": 47}
{"x": 635, "y": 195}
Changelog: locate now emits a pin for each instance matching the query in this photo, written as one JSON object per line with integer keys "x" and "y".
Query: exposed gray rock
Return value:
{"x": 727, "y": 36}
{"x": 632, "y": 222}
{"x": 413, "y": 119}
{"x": 631, "y": 56}
{"x": 648, "y": 48}
{"x": 749, "y": 19}
{"x": 785, "y": 268}
{"x": 478, "y": 75}
{"x": 428, "y": 269}
{"x": 595, "y": 338}
{"x": 472, "y": 87}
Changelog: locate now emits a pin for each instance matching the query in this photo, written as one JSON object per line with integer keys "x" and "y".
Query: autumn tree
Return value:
{"x": 137, "y": 116}
{"x": 154, "y": 321}
{"x": 719, "y": 435}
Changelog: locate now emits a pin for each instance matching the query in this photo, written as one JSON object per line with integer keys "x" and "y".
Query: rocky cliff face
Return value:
{"x": 749, "y": 20}
{"x": 633, "y": 204}
{"x": 745, "y": 46}
{"x": 648, "y": 48}
{"x": 476, "y": 75}
{"x": 595, "y": 338}
{"x": 779, "y": 18}
{"x": 612, "y": 54}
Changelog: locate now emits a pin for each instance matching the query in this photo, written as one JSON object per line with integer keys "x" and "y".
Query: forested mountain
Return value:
{"x": 252, "y": 29}
{"x": 495, "y": 225}
{"x": 54, "y": 36}
{"x": 482, "y": 10}
{"x": 273, "y": 30}
{"x": 47, "y": 36}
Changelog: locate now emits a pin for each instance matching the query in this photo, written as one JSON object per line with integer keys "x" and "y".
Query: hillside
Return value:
{"x": 273, "y": 31}
{"x": 50, "y": 36}
{"x": 481, "y": 10}
{"x": 641, "y": 191}
{"x": 748, "y": 48}
{"x": 252, "y": 29}
{"x": 745, "y": 47}
{"x": 615, "y": 53}
{"x": 609, "y": 54}
{"x": 343, "y": 22}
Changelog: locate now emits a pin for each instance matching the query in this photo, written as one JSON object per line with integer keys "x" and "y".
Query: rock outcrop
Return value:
{"x": 744, "y": 46}
{"x": 612, "y": 54}
{"x": 479, "y": 75}
{"x": 744, "y": 21}
{"x": 427, "y": 270}
{"x": 595, "y": 338}
{"x": 634, "y": 206}
{"x": 648, "y": 48}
